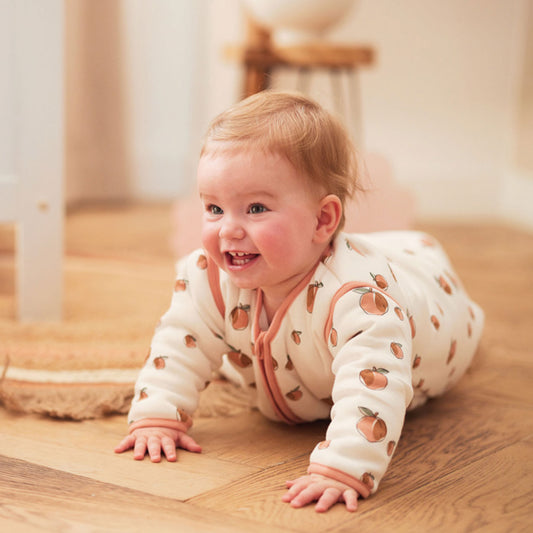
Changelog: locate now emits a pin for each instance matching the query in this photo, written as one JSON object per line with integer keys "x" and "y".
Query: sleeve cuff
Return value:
{"x": 338, "y": 475}
{"x": 161, "y": 423}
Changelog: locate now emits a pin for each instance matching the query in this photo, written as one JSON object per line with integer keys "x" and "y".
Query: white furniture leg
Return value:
{"x": 31, "y": 174}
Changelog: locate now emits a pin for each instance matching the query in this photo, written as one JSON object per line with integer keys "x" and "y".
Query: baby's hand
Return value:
{"x": 157, "y": 439}
{"x": 326, "y": 491}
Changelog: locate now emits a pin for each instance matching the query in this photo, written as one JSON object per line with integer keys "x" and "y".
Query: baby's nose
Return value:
{"x": 231, "y": 228}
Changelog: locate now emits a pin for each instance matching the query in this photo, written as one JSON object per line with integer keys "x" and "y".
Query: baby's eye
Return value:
{"x": 214, "y": 209}
{"x": 255, "y": 209}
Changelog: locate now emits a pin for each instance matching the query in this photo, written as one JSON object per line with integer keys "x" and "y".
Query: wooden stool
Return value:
{"x": 260, "y": 57}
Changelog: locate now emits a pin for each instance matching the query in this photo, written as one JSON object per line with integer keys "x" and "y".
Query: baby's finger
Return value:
{"x": 188, "y": 443}
{"x": 350, "y": 499}
{"x": 125, "y": 444}
{"x": 139, "y": 449}
{"x": 169, "y": 448}
{"x": 154, "y": 449}
{"x": 329, "y": 497}
{"x": 291, "y": 482}
{"x": 297, "y": 486}
{"x": 306, "y": 496}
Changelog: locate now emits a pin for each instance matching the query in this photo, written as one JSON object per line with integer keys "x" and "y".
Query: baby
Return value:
{"x": 319, "y": 324}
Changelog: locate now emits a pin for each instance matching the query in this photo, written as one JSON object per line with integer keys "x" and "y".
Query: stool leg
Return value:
{"x": 354, "y": 91}
{"x": 256, "y": 79}
{"x": 335, "y": 76}
{"x": 303, "y": 79}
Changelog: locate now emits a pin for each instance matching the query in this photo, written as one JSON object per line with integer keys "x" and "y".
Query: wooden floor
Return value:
{"x": 465, "y": 462}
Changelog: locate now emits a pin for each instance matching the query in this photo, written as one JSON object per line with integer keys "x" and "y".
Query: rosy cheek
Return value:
{"x": 209, "y": 238}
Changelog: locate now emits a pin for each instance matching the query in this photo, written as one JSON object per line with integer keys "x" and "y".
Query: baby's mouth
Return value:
{"x": 239, "y": 258}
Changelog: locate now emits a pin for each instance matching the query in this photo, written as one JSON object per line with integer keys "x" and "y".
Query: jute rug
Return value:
{"x": 118, "y": 273}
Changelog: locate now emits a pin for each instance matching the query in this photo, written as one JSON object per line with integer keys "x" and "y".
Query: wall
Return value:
{"x": 164, "y": 43}
{"x": 441, "y": 104}
{"x": 518, "y": 181}
{"x": 135, "y": 96}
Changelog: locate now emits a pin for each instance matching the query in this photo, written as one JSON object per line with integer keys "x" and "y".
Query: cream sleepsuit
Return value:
{"x": 379, "y": 326}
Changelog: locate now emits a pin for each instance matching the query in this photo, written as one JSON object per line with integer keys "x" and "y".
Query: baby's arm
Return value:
{"x": 371, "y": 392}
{"x": 155, "y": 440}
{"x": 325, "y": 491}
{"x": 185, "y": 348}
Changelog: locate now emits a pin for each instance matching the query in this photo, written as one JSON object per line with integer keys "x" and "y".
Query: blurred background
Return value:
{"x": 106, "y": 101}
{"x": 448, "y": 100}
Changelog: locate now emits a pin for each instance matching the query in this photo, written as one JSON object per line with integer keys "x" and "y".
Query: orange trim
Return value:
{"x": 262, "y": 342}
{"x": 213, "y": 276}
{"x": 340, "y": 293}
{"x": 339, "y": 475}
{"x": 160, "y": 423}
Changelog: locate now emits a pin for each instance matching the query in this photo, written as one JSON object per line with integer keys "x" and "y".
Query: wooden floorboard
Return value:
{"x": 489, "y": 495}
{"x": 37, "y": 498}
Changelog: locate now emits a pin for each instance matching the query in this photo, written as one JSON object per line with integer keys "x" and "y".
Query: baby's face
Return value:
{"x": 259, "y": 219}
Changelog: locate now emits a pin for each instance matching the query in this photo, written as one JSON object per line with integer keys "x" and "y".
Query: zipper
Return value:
{"x": 262, "y": 351}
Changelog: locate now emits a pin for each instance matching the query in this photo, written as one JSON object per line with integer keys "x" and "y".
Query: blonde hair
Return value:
{"x": 297, "y": 128}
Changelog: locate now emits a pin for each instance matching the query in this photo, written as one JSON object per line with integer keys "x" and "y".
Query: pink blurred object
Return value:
{"x": 384, "y": 205}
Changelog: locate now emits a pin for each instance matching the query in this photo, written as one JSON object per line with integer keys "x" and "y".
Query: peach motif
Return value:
{"x": 380, "y": 281}
{"x": 372, "y": 302}
{"x": 239, "y": 359}
{"x": 390, "y": 447}
{"x": 201, "y": 262}
{"x": 239, "y": 317}
{"x": 444, "y": 285}
{"x": 371, "y": 426}
{"x": 333, "y": 337}
{"x": 296, "y": 336}
{"x": 396, "y": 349}
{"x": 451, "y": 353}
{"x": 182, "y": 416}
{"x": 159, "y": 362}
{"x": 412, "y": 324}
{"x": 189, "y": 341}
{"x": 368, "y": 479}
{"x": 180, "y": 285}
{"x": 324, "y": 444}
{"x": 393, "y": 275}
{"x": 295, "y": 394}
{"x": 311, "y": 294}
{"x": 289, "y": 365}
{"x": 351, "y": 246}
{"x": 374, "y": 379}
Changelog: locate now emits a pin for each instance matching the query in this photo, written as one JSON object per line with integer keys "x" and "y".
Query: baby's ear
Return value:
{"x": 328, "y": 218}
